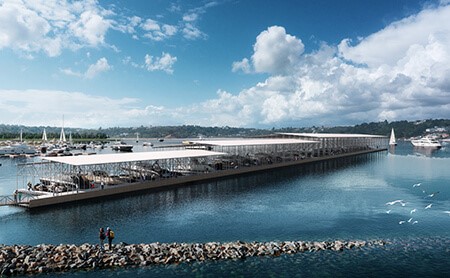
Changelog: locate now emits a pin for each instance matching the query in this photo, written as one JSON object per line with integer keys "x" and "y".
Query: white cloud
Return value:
{"x": 275, "y": 51}
{"x": 164, "y": 63}
{"x": 70, "y": 72}
{"x": 156, "y": 31}
{"x": 389, "y": 45}
{"x": 191, "y": 32}
{"x": 150, "y": 25}
{"x": 90, "y": 28}
{"x": 190, "y": 17}
{"x": 190, "y": 29}
{"x": 79, "y": 109}
{"x": 243, "y": 65}
{"x": 324, "y": 87}
{"x": 95, "y": 69}
{"x": 51, "y": 26}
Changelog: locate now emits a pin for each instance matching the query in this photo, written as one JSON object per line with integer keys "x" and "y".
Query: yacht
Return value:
{"x": 426, "y": 142}
{"x": 147, "y": 144}
{"x": 16, "y": 149}
{"x": 392, "y": 140}
{"x": 122, "y": 147}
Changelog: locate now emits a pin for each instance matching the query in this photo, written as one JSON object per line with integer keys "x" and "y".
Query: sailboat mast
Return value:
{"x": 62, "y": 137}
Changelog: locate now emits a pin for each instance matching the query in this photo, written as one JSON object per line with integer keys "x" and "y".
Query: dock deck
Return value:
{"x": 51, "y": 199}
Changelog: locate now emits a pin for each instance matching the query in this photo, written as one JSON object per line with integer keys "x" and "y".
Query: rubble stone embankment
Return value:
{"x": 45, "y": 258}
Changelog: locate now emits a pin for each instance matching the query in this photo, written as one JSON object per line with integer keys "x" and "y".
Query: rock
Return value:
{"x": 46, "y": 258}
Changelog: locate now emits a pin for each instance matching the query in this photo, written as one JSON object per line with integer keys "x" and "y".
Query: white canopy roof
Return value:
{"x": 129, "y": 157}
{"x": 251, "y": 142}
{"x": 332, "y": 135}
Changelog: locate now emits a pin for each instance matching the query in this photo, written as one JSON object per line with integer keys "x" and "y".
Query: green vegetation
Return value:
{"x": 403, "y": 129}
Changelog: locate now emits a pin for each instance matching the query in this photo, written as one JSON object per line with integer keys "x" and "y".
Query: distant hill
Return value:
{"x": 403, "y": 129}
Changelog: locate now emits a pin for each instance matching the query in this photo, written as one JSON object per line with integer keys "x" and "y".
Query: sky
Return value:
{"x": 238, "y": 63}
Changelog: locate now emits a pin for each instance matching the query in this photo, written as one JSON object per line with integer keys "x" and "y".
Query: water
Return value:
{"x": 340, "y": 199}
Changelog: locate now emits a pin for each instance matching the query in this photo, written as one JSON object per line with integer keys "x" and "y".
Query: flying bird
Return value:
{"x": 433, "y": 194}
{"x": 417, "y": 184}
{"x": 409, "y": 220}
{"x": 429, "y": 206}
{"x": 395, "y": 202}
{"x": 415, "y": 222}
{"x": 412, "y": 211}
{"x": 447, "y": 211}
{"x": 388, "y": 211}
{"x": 401, "y": 222}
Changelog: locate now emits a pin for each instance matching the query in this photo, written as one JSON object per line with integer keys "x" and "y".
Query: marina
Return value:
{"x": 65, "y": 179}
{"x": 332, "y": 199}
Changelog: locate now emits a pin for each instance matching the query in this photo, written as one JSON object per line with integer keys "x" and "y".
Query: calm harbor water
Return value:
{"x": 340, "y": 199}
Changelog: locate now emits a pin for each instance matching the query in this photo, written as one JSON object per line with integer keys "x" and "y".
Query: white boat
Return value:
{"x": 426, "y": 142}
{"x": 392, "y": 140}
{"x": 122, "y": 147}
{"x": 44, "y": 136}
{"x": 17, "y": 149}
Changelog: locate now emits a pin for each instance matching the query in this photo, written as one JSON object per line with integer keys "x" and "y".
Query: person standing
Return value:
{"x": 110, "y": 235}
{"x": 102, "y": 237}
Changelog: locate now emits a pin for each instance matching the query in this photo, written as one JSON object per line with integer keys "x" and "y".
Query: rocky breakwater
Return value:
{"x": 44, "y": 258}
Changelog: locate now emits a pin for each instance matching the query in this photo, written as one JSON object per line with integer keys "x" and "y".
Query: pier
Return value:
{"x": 60, "y": 180}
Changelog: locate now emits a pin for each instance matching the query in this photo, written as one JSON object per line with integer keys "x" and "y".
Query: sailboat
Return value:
{"x": 44, "y": 145}
{"x": 392, "y": 140}
{"x": 44, "y": 137}
{"x": 62, "y": 136}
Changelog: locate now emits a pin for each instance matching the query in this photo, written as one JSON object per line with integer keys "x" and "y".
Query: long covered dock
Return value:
{"x": 57, "y": 180}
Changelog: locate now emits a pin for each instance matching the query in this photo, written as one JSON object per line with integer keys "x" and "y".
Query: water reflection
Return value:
{"x": 424, "y": 151}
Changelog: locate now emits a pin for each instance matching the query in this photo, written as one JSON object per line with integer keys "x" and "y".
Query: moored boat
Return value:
{"x": 17, "y": 149}
{"x": 122, "y": 147}
{"x": 392, "y": 140}
{"x": 426, "y": 142}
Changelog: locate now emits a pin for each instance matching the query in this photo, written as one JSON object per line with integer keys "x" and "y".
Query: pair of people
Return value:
{"x": 103, "y": 235}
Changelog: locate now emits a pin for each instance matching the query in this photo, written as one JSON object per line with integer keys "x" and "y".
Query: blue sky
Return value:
{"x": 223, "y": 63}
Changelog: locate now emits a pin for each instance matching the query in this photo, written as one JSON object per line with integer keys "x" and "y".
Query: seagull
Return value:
{"x": 412, "y": 211}
{"x": 409, "y": 220}
{"x": 394, "y": 202}
{"x": 401, "y": 222}
{"x": 417, "y": 184}
{"x": 429, "y": 206}
{"x": 433, "y": 194}
{"x": 447, "y": 211}
{"x": 415, "y": 222}
{"x": 388, "y": 211}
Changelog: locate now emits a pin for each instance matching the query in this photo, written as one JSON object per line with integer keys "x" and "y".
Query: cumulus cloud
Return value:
{"x": 163, "y": 63}
{"x": 335, "y": 84}
{"x": 51, "y": 26}
{"x": 95, "y": 69}
{"x": 90, "y": 28}
{"x": 243, "y": 65}
{"x": 191, "y": 32}
{"x": 156, "y": 31}
{"x": 349, "y": 84}
{"x": 389, "y": 45}
{"x": 189, "y": 28}
{"x": 275, "y": 51}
